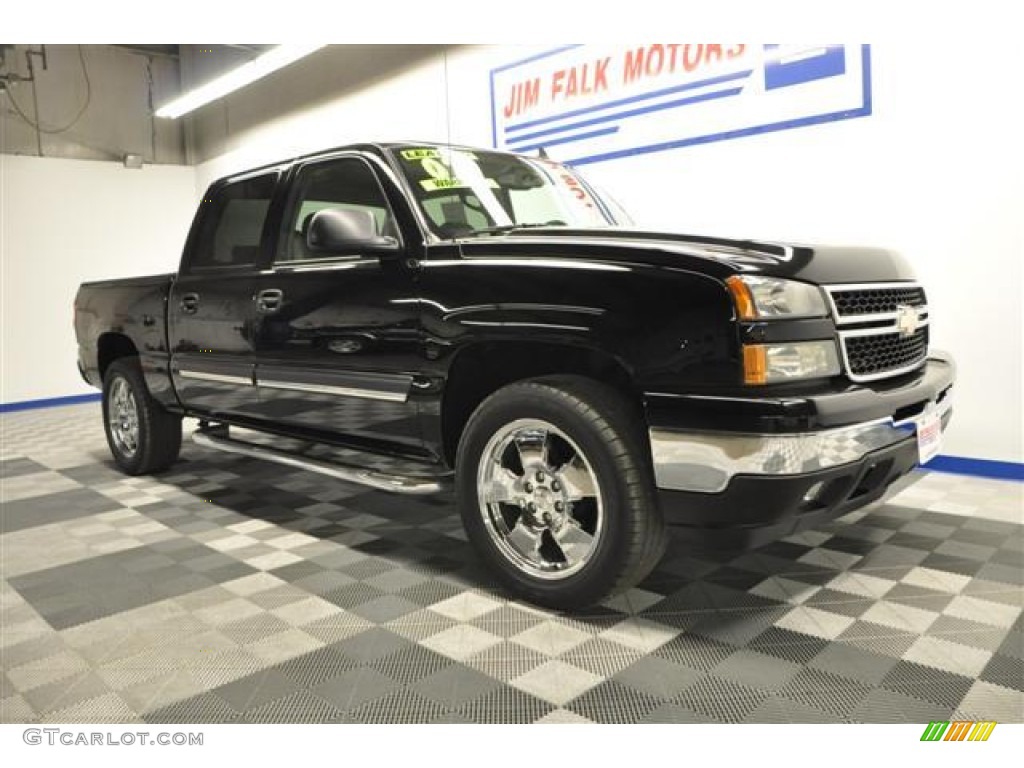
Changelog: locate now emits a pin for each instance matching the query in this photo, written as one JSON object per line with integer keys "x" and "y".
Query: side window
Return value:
{"x": 348, "y": 184}
{"x": 231, "y": 231}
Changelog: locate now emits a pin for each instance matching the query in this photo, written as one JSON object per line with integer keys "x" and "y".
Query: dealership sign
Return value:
{"x": 586, "y": 103}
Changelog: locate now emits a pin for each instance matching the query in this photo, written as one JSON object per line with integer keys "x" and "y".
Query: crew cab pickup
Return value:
{"x": 413, "y": 316}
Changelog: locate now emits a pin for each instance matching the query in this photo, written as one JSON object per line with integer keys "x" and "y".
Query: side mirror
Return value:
{"x": 344, "y": 232}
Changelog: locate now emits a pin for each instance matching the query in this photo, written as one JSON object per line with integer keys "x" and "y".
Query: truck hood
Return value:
{"x": 719, "y": 257}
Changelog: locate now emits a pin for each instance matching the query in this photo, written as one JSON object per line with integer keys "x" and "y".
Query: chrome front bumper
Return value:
{"x": 706, "y": 462}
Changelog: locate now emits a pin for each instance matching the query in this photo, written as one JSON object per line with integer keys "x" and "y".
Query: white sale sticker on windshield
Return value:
{"x": 586, "y": 103}
{"x": 929, "y": 436}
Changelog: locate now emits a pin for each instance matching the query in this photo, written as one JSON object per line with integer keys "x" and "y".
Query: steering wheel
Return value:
{"x": 452, "y": 229}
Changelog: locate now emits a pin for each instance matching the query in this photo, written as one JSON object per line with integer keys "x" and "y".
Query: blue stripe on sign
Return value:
{"x": 630, "y": 113}
{"x": 537, "y": 57}
{"x": 50, "y": 402}
{"x": 831, "y": 61}
{"x": 632, "y": 99}
{"x": 567, "y": 139}
{"x": 494, "y": 110}
{"x": 962, "y": 465}
{"x": 512, "y": 143}
{"x": 693, "y": 141}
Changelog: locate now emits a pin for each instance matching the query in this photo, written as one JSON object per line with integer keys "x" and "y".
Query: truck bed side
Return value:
{"x": 127, "y": 316}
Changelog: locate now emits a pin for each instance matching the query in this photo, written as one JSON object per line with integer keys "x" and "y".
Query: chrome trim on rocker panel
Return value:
{"x": 706, "y": 462}
{"x": 326, "y": 389}
{"x": 220, "y": 378}
{"x": 415, "y": 486}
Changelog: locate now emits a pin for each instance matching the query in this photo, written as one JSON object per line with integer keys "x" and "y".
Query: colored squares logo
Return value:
{"x": 958, "y": 730}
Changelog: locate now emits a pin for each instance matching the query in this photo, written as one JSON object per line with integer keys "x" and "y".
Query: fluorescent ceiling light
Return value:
{"x": 261, "y": 66}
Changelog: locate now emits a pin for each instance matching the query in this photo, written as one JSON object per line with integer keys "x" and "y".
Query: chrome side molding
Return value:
{"x": 220, "y": 378}
{"x": 325, "y": 389}
{"x": 381, "y": 481}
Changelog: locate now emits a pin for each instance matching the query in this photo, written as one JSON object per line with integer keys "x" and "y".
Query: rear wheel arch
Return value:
{"x": 113, "y": 346}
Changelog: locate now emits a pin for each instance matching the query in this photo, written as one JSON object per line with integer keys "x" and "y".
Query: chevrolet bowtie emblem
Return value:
{"x": 907, "y": 320}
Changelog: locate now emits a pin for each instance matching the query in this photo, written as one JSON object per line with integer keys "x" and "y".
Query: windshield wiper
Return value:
{"x": 509, "y": 227}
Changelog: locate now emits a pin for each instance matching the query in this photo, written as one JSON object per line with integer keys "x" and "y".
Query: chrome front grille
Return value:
{"x": 860, "y": 302}
{"x": 883, "y": 328}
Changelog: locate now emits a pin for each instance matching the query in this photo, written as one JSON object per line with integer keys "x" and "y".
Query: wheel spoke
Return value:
{"x": 574, "y": 542}
{"x": 533, "y": 448}
{"x": 579, "y": 483}
{"x": 503, "y": 487}
{"x": 527, "y": 499}
{"x": 526, "y": 542}
{"x": 123, "y": 417}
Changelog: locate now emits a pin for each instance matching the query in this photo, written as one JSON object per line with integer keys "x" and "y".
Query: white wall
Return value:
{"x": 936, "y": 171}
{"x": 63, "y": 222}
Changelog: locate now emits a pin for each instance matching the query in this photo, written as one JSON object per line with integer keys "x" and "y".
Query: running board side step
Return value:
{"x": 381, "y": 481}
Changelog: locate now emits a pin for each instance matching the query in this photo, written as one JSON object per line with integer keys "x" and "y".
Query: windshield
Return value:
{"x": 464, "y": 191}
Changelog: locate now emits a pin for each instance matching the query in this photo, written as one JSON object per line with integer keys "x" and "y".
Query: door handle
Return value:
{"x": 269, "y": 300}
{"x": 190, "y": 303}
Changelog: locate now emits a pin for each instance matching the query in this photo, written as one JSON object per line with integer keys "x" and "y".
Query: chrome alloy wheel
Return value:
{"x": 123, "y": 417}
{"x": 540, "y": 499}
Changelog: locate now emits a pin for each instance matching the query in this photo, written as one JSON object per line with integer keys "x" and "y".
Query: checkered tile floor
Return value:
{"x": 233, "y": 590}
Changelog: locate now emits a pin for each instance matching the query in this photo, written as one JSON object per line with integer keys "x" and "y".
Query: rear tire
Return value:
{"x": 556, "y": 492}
{"x": 142, "y": 435}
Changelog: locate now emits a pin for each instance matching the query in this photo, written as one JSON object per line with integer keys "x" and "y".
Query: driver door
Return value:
{"x": 336, "y": 338}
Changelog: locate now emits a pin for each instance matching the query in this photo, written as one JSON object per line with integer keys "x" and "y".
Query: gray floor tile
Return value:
{"x": 53, "y": 508}
{"x": 202, "y": 595}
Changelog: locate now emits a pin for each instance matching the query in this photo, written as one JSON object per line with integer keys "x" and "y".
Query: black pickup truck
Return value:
{"x": 491, "y": 321}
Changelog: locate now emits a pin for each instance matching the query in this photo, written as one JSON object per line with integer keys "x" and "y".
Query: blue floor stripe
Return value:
{"x": 50, "y": 402}
{"x": 963, "y": 465}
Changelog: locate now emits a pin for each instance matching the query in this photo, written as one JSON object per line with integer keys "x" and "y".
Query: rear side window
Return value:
{"x": 232, "y": 230}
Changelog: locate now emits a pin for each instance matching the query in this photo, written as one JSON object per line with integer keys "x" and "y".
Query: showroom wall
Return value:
{"x": 66, "y": 221}
{"x": 934, "y": 171}
{"x": 95, "y": 103}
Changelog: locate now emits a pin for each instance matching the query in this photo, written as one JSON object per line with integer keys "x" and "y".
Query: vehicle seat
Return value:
{"x": 297, "y": 248}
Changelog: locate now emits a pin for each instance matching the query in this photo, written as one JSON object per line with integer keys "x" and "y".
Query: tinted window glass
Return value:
{"x": 347, "y": 184}
{"x": 231, "y": 232}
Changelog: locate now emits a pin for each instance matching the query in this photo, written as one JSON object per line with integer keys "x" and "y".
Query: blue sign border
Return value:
{"x": 862, "y": 111}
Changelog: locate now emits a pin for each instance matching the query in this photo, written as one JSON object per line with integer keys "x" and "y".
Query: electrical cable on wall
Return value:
{"x": 37, "y": 124}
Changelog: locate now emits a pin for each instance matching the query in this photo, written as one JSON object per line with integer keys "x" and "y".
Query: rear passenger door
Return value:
{"x": 210, "y": 303}
{"x": 336, "y": 338}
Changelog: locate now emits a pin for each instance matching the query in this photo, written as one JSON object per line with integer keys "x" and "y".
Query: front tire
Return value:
{"x": 556, "y": 492}
{"x": 143, "y": 436}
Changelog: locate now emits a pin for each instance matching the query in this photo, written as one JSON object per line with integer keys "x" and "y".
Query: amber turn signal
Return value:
{"x": 755, "y": 364}
{"x": 742, "y": 298}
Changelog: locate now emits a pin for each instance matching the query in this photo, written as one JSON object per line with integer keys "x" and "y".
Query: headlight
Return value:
{"x": 765, "y": 298}
{"x": 774, "y": 363}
